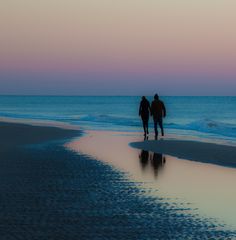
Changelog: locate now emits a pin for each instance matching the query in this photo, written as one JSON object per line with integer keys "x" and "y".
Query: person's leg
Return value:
{"x": 160, "y": 122}
{"x": 144, "y": 127}
{"x": 155, "y": 128}
{"x": 147, "y": 126}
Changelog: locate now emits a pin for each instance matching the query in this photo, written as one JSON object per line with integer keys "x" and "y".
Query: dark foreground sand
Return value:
{"x": 48, "y": 192}
{"x": 198, "y": 151}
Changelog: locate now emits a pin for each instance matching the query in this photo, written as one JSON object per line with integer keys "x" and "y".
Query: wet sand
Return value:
{"x": 204, "y": 189}
{"x": 49, "y": 192}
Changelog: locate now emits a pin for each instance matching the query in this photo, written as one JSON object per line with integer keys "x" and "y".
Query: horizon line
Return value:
{"x": 100, "y": 95}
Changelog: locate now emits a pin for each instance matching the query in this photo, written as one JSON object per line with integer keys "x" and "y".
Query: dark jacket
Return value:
{"x": 158, "y": 109}
{"x": 144, "y": 109}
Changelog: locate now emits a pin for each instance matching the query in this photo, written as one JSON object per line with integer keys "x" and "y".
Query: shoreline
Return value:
{"x": 40, "y": 123}
{"x": 181, "y": 147}
{"x": 50, "y": 192}
{"x": 169, "y": 136}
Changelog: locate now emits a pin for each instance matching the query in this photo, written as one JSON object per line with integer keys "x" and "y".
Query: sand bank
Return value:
{"x": 39, "y": 123}
{"x": 198, "y": 151}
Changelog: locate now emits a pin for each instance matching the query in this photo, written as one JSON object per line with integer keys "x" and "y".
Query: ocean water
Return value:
{"x": 204, "y": 117}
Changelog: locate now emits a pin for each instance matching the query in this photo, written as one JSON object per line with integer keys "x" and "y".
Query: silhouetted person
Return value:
{"x": 144, "y": 111}
{"x": 157, "y": 162}
{"x": 144, "y": 157}
{"x": 158, "y": 111}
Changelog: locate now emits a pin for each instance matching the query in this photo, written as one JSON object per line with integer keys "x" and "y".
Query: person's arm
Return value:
{"x": 140, "y": 108}
{"x": 164, "y": 109}
{"x": 150, "y": 109}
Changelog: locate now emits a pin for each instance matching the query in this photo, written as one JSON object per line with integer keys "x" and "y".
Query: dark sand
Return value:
{"x": 197, "y": 151}
{"x": 48, "y": 192}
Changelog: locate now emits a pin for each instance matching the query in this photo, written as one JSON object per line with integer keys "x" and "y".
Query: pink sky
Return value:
{"x": 187, "y": 42}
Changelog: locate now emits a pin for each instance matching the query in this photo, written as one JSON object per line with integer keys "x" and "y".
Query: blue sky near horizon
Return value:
{"x": 68, "y": 84}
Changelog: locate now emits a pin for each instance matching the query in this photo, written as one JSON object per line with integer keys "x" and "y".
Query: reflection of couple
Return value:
{"x": 157, "y": 110}
{"x": 157, "y": 160}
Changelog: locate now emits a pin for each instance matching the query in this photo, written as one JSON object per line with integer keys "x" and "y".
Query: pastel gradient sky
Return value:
{"x": 118, "y": 47}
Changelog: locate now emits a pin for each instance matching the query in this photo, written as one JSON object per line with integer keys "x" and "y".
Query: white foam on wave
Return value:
{"x": 204, "y": 125}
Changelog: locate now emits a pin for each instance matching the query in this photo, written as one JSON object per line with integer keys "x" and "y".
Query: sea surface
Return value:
{"x": 210, "y": 118}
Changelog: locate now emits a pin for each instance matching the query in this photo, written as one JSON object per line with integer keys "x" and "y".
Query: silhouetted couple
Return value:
{"x": 157, "y": 110}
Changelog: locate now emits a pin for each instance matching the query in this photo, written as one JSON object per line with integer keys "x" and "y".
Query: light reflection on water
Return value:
{"x": 209, "y": 190}
{"x": 155, "y": 161}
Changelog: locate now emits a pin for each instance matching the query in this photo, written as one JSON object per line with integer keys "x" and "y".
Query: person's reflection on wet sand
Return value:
{"x": 144, "y": 157}
{"x": 145, "y": 138}
{"x": 157, "y": 161}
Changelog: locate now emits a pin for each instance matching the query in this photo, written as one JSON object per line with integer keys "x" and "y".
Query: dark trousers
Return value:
{"x": 145, "y": 124}
{"x": 158, "y": 121}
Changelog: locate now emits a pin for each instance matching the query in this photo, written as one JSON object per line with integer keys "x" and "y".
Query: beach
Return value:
{"x": 51, "y": 191}
{"x": 117, "y": 120}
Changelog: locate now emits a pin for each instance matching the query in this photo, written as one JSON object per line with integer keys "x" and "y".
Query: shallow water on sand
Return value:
{"x": 206, "y": 190}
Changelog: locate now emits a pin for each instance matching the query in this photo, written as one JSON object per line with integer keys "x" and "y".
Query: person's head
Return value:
{"x": 156, "y": 97}
{"x": 143, "y": 98}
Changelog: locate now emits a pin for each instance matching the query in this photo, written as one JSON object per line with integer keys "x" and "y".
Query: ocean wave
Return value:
{"x": 110, "y": 119}
{"x": 208, "y": 126}
{"x": 205, "y": 125}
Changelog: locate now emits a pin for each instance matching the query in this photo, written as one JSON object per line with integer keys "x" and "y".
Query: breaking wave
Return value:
{"x": 204, "y": 125}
